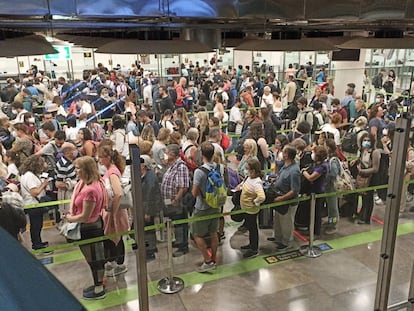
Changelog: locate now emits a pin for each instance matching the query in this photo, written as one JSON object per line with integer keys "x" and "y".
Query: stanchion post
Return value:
{"x": 138, "y": 214}
{"x": 389, "y": 234}
{"x": 170, "y": 284}
{"x": 310, "y": 250}
{"x": 410, "y": 306}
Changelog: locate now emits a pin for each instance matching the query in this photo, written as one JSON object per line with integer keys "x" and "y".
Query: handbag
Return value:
{"x": 126, "y": 198}
{"x": 237, "y": 217}
{"x": 231, "y": 126}
{"x": 71, "y": 230}
{"x": 362, "y": 181}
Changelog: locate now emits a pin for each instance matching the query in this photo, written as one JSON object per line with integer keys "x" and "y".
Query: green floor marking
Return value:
{"x": 69, "y": 256}
{"x": 122, "y": 296}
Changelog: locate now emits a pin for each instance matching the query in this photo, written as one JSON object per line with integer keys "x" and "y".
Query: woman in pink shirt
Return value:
{"x": 115, "y": 219}
{"x": 88, "y": 200}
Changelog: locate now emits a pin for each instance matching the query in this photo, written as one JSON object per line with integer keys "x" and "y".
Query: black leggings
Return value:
{"x": 250, "y": 222}
{"x": 94, "y": 252}
{"x": 115, "y": 252}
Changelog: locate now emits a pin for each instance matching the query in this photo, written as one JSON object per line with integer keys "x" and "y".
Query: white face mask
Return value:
{"x": 385, "y": 132}
{"x": 313, "y": 156}
{"x": 32, "y": 120}
{"x": 14, "y": 111}
{"x": 377, "y": 100}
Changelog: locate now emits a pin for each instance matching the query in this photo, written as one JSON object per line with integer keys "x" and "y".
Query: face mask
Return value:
{"x": 334, "y": 108}
{"x": 366, "y": 144}
{"x": 14, "y": 111}
{"x": 385, "y": 132}
{"x": 313, "y": 156}
{"x": 31, "y": 120}
{"x": 377, "y": 100}
{"x": 246, "y": 172}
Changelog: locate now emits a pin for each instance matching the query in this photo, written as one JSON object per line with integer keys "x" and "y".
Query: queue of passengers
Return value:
{"x": 182, "y": 129}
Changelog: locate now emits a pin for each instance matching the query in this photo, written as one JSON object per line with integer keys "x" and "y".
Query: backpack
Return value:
{"x": 377, "y": 81}
{"x": 234, "y": 178}
{"x": 349, "y": 141}
{"x": 225, "y": 141}
{"x": 315, "y": 123}
{"x": 191, "y": 165}
{"x": 342, "y": 180}
{"x": 348, "y": 109}
{"x": 215, "y": 193}
{"x": 51, "y": 160}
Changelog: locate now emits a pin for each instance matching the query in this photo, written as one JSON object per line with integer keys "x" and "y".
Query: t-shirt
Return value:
{"x": 29, "y": 181}
{"x": 50, "y": 149}
{"x": 288, "y": 179}
{"x": 91, "y": 193}
{"x": 235, "y": 115}
{"x": 200, "y": 179}
{"x": 318, "y": 185}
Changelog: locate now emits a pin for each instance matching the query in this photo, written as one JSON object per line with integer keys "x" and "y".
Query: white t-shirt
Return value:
{"x": 267, "y": 100}
{"x": 330, "y": 129}
{"x": 148, "y": 94}
{"x": 235, "y": 115}
{"x": 29, "y": 181}
{"x": 72, "y": 133}
{"x": 86, "y": 108}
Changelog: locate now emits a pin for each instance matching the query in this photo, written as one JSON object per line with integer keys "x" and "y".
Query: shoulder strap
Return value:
{"x": 187, "y": 148}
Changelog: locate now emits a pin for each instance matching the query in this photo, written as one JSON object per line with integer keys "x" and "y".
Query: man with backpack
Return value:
{"x": 210, "y": 193}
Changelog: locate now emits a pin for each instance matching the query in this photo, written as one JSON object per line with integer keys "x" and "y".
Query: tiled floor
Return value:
{"x": 343, "y": 279}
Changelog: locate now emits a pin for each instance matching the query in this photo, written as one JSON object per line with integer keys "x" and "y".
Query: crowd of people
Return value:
{"x": 54, "y": 146}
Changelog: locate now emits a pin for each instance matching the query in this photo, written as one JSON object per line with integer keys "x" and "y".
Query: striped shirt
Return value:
{"x": 65, "y": 170}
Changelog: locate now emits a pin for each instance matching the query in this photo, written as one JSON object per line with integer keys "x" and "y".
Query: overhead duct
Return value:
{"x": 133, "y": 46}
{"x": 378, "y": 43}
{"x": 305, "y": 44}
{"x": 209, "y": 37}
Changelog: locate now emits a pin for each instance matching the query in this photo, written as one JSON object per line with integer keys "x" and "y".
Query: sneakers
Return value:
{"x": 331, "y": 230}
{"x": 89, "y": 294}
{"x": 250, "y": 254}
{"x": 242, "y": 229}
{"x": 40, "y": 247}
{"x": 180, "y": 252}
{"x": 409, "y": 197}
{"x": 281, "y": 247}
{"x": 245, "y": 247}
{"x": 117, "y": 270}
{"x": 207, "y": 266}
{"x": 271, "y": 239}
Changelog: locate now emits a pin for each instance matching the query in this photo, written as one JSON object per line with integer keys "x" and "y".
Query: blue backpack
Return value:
{"x": 215, "y": 193}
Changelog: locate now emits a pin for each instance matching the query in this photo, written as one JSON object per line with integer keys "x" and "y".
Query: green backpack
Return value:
{"x": 215, "y": 193}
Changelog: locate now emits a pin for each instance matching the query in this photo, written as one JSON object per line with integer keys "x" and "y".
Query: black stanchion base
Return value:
{"x": 166, "y": 286}
{"x": 311, "y": 252}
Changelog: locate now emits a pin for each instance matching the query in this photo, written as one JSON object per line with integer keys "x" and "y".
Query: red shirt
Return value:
{"x": 180, "y": 93}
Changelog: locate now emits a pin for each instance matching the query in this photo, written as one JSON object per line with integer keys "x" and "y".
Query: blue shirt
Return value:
{"x": 289, "y": 179}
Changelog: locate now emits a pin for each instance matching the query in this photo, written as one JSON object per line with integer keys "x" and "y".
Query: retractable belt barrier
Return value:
{"x": 193, "y": 219}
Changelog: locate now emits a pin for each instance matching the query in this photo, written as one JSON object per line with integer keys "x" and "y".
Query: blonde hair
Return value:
{"x": 88, "y": 170}
{"x": 145, "y": 146}
{"x": 251, "y": 143}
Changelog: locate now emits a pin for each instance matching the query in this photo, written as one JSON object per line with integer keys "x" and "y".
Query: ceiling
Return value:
{"x": 229, "y": 15}
{"x": 228, "y": 19}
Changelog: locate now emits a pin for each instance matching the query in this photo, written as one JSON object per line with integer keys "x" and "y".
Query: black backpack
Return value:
{"x": 315, "y": 123}
{"x": 350, "y": 142}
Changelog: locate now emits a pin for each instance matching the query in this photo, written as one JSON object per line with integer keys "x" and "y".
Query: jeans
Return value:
{"x": 233, "y": 145}
{"x": 333, "y": 210}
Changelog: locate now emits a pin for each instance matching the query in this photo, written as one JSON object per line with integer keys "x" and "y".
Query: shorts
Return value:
{"x": 202, "y": 228}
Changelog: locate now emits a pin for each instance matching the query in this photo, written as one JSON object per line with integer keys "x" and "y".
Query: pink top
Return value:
{"x": 112, "y": 170}
{"x": 92, "y": 193}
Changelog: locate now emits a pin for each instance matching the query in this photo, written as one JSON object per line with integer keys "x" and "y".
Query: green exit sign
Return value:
{"x": 64, "y": 52}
